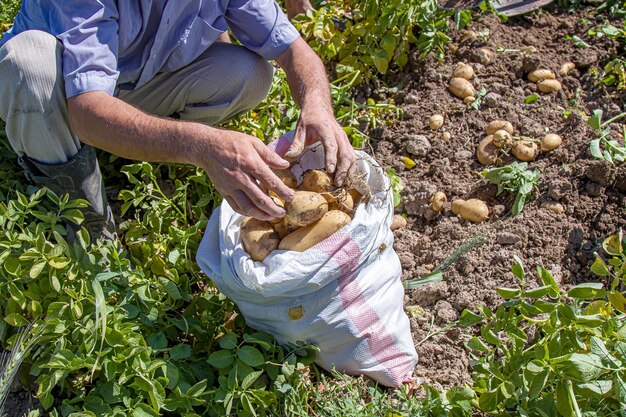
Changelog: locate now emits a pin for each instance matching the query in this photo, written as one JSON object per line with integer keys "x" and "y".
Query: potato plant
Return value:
{"x": 549, "y": 352}
{"x": 602, "y": 147}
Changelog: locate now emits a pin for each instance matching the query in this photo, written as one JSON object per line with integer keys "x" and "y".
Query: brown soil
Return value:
{"x": 591, "y": 192}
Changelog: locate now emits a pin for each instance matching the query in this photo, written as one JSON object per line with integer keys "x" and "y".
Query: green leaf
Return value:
{"x": 587, "y": 290}
{"x": 531, "y": 99}
{"x": 564, "y": 401}
{"x": 144, "y": 410}
{"x": 197, "y": 389}
{"x": 538, "y": 292}
{"x": 599, "y": 267}
{"x": 180, "y": 352}
{"x": 37, "y": 267}
{"x": 16, "y": 320}
{"x": 469, "y": 319}
{"x": 617, "y": 300}
{"x": 228, "y": 341}
{"x": 582, "y": 367}
{"x": 250, "y": 378}
{"x": 595, "y": 121}
{"x": 221, "y": 359}
{"x": 380, "y": 60}
{"x": 613, "y": 245}
{"x": 518, "y": 268}
{"x": 538, "y": 382}
{"x": 508, "y": 293}
{"x": 250, "y": 356}
{"x": 594, "y": 149}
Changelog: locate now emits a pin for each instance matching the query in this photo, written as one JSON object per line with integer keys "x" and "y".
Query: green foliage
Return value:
{"x": 602, "y": 147}
{"x": 516, "y": 179}
{"x": 376, "y": 34}
{"x": 613, "y": 271}
{"x": 8, "y": 10}
{"x": 396, "y": 186}
{"x": 545, "y": 352}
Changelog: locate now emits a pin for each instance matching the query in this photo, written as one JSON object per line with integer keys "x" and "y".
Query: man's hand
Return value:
{"x": 311, "y": 91}
{"x": 237, "y": 162}
{"x": 234, "y": 161}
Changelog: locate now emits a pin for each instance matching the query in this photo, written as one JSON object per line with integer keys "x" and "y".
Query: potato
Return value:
{"x": 496, "y": 125}
{"x": 468, "y": 100}
{"x": 279, "y": 202}
{"x": 305, "y": 208}
{"x": 474, "y": 210}
{"x": 549, "y": 86}
{"x": 541, "y": 74}
{"x": 308, "y": 236}
{"x": 356, "y": 196}
{"x": 316, "y": 181}
{"x": 463, "y": 70}
{"x": 287, "y": 177}
{"x": 283, "y": 228}
{"x": 487, "y": 153}
{"x": 437, "y": 201}
{"x": 435, "y": 121}
{"x": 259, "y": 238}
{"x": 484, "y": 56}
{"x": 398, "y": 222}
{"x": 550, "y": 142}
{"x": 554, "y": 207}
{"x": 502, "y": 139}
{"x": 525, "y": 150}
{"x": 566, "y": 68}
{"x": 461, "y": 88}
{"x": 446, "y": 136}
{"x": 343, "y": 201}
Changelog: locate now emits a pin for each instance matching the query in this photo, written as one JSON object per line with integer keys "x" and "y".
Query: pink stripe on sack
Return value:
{"x": 369, "y": 324}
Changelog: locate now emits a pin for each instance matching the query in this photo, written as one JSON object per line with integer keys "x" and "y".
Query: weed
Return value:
{"x": 516, "y": 179}
{"x": 602, "y": 147}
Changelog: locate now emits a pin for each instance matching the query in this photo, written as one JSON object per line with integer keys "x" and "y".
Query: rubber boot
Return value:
{"x": 79, "y": 177}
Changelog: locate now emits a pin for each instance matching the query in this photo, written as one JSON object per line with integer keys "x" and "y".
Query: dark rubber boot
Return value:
{"x": 79, "y": 177}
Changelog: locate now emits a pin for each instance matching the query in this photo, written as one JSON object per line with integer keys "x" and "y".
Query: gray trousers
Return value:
{"x": 226, "y": 80}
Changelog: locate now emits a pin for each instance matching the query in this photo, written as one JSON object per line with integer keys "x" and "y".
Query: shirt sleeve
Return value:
{"x": 261, "y": 26}
{"x": 88, "y": 31}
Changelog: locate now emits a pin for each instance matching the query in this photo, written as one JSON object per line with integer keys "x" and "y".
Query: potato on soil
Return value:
{"x": 316, "y": 181}
{"x": 437, "y": 201}
{"x": 308, "y": 236}
{"x": 549, "y": 86}
{"x": 566, "y": 68}
{"x": 461, "y": 88}
{"x": 462, "y": 70}
{"x": 541, "y": 74}
{"x": 259, "y": 238}
{"x": 305, "y": 208}
{"x": 435, "y": 121}
{"x": 398, "y": 222}
{"x": 496, "y": 125}
{"x": 525, "y": 150}
{"x": 474, "y": 210}
{"x": 469, "y": 99}
{"x": 550, "y": 142}
{"x": 487, "y": 152}
{"x": 502, "y": 139}
{"x": 446, "y": 136}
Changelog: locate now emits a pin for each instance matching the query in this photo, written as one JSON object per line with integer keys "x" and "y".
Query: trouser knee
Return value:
{"x": 33, "y": 101}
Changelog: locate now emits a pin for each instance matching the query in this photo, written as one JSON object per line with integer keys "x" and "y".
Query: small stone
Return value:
{"x": 418, "y": 145}
{"x": 492, "y": 99}
{"x": 411, "y": 98}
{"x": 398, "y": 222}
{"x": 593, "y": 189}
{"x": 556, "y": 208}
{"x": 507, "y": 238}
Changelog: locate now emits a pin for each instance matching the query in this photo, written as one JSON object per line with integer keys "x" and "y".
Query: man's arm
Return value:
{"x": 234, "y": 161}
{"x": 309, "y": 86}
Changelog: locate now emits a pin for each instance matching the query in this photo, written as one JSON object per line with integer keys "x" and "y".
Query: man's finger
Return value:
{"x": 346, "y": 159}
{"x": 297, "y": 146}
{"x": 270, "y": 157}
{"x": 271, "y": 181}
{"x": 330, "y": 151}
{"x": 248, "y": 208}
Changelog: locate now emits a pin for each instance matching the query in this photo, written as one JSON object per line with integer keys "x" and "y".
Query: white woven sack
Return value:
{"x": 343, "y": 295}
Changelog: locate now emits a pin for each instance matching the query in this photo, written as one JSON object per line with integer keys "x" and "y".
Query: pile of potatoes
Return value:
{"x": 317, "y": 211}
{"x": 474, "y": 210}
{"x": 460, "y": 85}
{"x": 500, "y": 141}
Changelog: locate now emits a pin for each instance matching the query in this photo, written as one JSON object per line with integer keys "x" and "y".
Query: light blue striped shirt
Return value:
{"x": 109, "y": 43}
